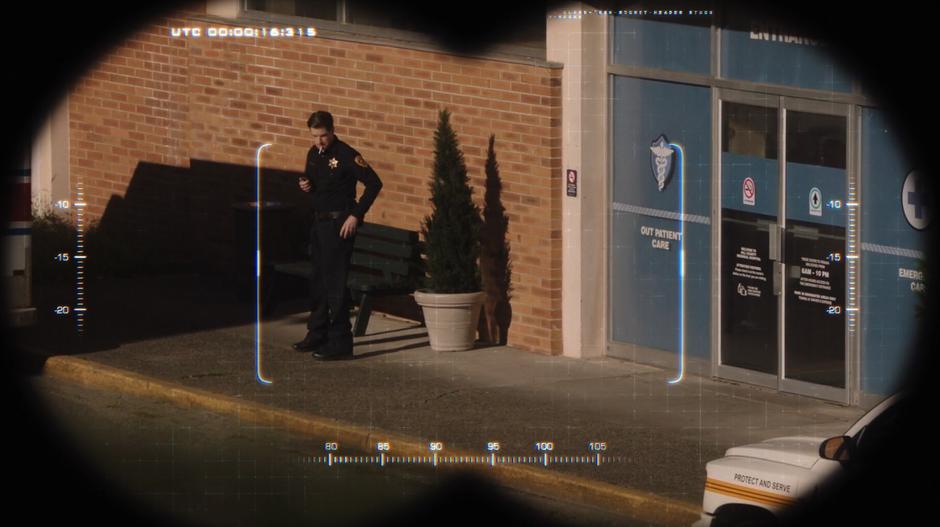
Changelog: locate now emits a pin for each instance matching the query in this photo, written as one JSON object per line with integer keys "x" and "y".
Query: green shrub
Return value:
{"x": 452, "y": 231}
{"x": 51, "y": 235}
{"x": 109, "y": 251}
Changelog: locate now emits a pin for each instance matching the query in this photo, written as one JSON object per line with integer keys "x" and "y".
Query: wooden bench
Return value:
{"x": 385, "y": 261}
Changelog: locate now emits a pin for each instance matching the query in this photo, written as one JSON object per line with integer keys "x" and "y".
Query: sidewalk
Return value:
{"x": 658, "y": 436}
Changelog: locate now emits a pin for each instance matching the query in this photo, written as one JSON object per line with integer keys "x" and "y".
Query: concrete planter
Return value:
{"x": 451, "y": 318}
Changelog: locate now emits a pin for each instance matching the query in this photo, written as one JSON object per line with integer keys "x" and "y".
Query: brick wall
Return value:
{"x": 166, "y": 101}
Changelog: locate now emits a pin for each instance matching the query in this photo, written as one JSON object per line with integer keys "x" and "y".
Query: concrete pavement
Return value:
{"x": 658, "y": 436}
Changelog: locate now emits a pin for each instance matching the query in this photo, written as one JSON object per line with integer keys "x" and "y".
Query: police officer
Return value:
{"x": 332, "y": 170}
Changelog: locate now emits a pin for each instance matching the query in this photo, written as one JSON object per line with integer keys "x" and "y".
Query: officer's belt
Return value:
{"x": 330, "y": 215}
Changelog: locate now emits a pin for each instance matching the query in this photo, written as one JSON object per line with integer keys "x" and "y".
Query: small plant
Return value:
{"x": 452, "y": 231}
{"x": 109, "y": 251}
{"x": 52, "y": 234}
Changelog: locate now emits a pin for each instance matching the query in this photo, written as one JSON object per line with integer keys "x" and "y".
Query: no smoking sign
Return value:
{"x": 748, "y": 191}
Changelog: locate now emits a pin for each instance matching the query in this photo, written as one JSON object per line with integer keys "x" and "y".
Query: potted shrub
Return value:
{"x": 451, "y": 295}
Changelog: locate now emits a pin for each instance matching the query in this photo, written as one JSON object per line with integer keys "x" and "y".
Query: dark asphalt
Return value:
{"x": 200, "y": 467}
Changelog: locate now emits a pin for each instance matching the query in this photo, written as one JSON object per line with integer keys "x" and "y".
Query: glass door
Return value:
{"x": 814, "y": 248}
{"x": 783, "y": 178}
{"x": 750, "y": 179}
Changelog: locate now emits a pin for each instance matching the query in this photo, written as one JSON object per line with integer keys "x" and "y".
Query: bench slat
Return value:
{"x": 391, "y": 251}
{"x": 370, "y": 261}
{"x": 380, "y": 263}
{"x": 384, "y": 231}
{"x": 368, "y": 283}
{"x": 397, "y": 249}
{"x": 358, "y": 281}
{"x": 302, "y": 267}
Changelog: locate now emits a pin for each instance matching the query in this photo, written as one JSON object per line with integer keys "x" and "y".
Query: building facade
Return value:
{"x": 698, "y": 192}
{"x": 757, "y": 217}
{"x": 162, "y": 135}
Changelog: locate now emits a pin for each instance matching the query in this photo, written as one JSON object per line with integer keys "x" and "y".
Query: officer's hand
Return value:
{"x": 349, "y": 227}
{"x": 305, "y": 184}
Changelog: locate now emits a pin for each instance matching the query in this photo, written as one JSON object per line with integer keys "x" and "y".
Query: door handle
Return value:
{"x": 773, "y": 254}
{"x": 779, "y": 268}
{"x": 773, "y": 244}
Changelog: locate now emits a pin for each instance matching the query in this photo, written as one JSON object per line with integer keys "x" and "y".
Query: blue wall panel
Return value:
{"x": 661, "y": 45}
{"x": 644, "y": 280}
{"x": 786, "y": 63}
{"x": 888, "y": 303}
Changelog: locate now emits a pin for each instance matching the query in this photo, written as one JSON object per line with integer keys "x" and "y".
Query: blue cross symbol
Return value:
{"x": 917, "y": 199}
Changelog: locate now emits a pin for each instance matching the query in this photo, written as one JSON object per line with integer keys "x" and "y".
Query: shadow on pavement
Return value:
{"x": 422, "y": 344}
{"x": 128, "y": 309}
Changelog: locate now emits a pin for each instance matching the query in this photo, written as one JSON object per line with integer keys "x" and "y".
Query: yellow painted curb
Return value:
{"x": 637, "y": 504}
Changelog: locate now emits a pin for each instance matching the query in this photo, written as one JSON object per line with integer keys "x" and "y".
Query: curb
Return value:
{"x": 637, "y": 504}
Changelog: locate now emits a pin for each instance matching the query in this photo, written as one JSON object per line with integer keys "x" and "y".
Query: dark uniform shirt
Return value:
{"x": 333, "y": 174}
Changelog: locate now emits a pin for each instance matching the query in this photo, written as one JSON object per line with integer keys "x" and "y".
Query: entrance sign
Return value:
{"x": 748, "y": 304}
{"x": 747, "y": 265}
{"x": 815, "y": 304}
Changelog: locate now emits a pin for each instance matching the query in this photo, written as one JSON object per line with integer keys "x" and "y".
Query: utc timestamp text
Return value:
{"x": 242, "y": 32}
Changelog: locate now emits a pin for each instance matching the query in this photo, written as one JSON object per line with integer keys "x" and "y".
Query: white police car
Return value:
{"x": 754, "y": 483}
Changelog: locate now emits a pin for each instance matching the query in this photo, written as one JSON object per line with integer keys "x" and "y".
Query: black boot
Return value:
{"x": 309, "y": 343}
{"x": 337, "y": 349}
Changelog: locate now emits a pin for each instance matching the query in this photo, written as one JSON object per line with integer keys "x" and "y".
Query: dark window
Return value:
{"x": 749, "y": 130}
{"x": 377, "y": 15}
{"x": 816, "y": 139}
{"x": 322, "y": 9}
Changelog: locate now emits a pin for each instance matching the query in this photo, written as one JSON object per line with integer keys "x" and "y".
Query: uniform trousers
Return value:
{"x": 330, "y": 299}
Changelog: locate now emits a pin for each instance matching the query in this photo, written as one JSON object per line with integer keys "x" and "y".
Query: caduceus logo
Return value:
{"x": 661, "y": 160}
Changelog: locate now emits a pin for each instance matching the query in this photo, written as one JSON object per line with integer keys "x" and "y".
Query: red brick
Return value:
{"x": 165, "y": 102}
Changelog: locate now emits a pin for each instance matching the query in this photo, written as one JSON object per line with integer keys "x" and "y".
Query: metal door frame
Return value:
{"x": 783, "y": 105}
{"x": 840, "y": 395}
{"x": 725, "y": 371}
